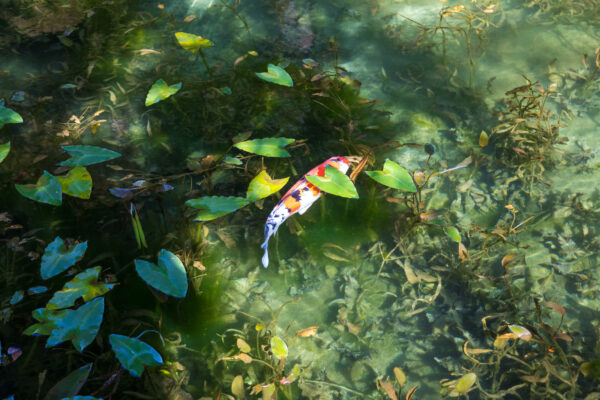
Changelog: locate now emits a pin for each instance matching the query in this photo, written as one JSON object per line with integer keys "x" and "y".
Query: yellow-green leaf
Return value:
{"x": 465, "y": 383}
{"x": 334, "y": 182}
{"x": 77, "y": 183}
{"x": 279, "y": 348}
{"x": 394, "y": 176}
{"x": 4, "y": 149}
{"x": 191, "y": 42}
{"x": 160, "y": 91}
{"x": 263, "y": 185}
{"x": 276, "y": 74}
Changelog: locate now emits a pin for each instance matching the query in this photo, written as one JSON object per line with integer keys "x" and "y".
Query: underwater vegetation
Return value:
{"x": 448, "y": 248}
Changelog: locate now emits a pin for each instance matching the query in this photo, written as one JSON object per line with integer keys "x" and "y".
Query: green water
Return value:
{"x": 386, "y": 288}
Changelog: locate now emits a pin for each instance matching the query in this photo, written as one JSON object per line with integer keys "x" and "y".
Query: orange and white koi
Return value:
{"x": 297, "y": 200}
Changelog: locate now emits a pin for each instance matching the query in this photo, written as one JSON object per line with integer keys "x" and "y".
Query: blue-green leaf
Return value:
{"x": 394, "y": 176}
{"x": 84, "y": 285}
{"x": 77, "y": 183}
{"x": 58, "y": 257}
{"x": 160, "y": 91}
{"x": 276, "y": 74}
{"x": 4, "y": 150}
{"x": 46, "y": 321}
{"x": 70, "y": 385}
{"x": 8, "y": 116}
{"x": 82, "y": 155}
{"x": 134, "y": 354}
{"x": 212, "y": 207}
{"x": 37, "y": 290}
{"x": 269, "y": 147}
{"x": 16, "y": 297}
{"x": 46, "y": 190}
{"x": 334, "y": 182}
{"x": 80, "y": 326}
{"x": 168, "y": 276}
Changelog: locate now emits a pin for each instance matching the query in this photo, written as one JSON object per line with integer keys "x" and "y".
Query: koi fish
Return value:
{"x": 297, "y": 200}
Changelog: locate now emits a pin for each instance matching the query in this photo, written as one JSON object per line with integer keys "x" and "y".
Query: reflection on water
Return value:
{"x": 481, "y": 285}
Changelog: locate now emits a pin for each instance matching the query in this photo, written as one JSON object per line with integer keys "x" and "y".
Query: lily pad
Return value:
{"x": 82, "y": 155}
{"x": 279, "y": 348}
{"x": 77, "y": 183}
{"x": 46, "y": 190}
{"x": 80, "y": 326}
{"x": 58, "y": 257}
{"x": 168, "y": 277}
{"x": 263, "y": 185}
{"x": 4, "y": 150}
{"x": 70, "y": 385}
{"x": 269, "y": 147}
{"x": 213, "y": 207}
{"x": 160, "y": 91}
{"x": 276, "y": 74}
{"x": 134, "y": 354}
{"x": 191, "y": 42}
{"x": 8, "y": 116}
{"x": 84, "y": 285}
{"x": 334, "y": 182}
{"x": 394, "y": 176}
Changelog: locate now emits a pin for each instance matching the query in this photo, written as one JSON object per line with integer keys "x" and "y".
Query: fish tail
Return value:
{"x": 270, "y": 229}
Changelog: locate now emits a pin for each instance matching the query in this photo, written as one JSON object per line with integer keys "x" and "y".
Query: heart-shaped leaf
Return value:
{"x": 269, "y": 147}
{"x": 263, "y": 185}
{"x": 8, "y": 116}
{"x": 58, "y": 257}
{"x": 84, "y": 285}
{"x": 46, "y": 321}
{"x": 191, "y": 42}
{"x": 394, "y": 176}
{"x": 276, "y": 74}
{"x": 77, "y": 183}
{"x": 70, "y": 385}
{"x": 168, "y": 277}
{"x": 80, "y": 326}
{"x": 279, "y": 348}
{"x": 212, "y": 207}
{"x": 46, "y": 190}
{"x": 4, "y": 149}
{"x": 334, "y": 182}
{"x": 82, "y": 155}
{"x": 134, "y": 354}
{"x": 160, "y": 91}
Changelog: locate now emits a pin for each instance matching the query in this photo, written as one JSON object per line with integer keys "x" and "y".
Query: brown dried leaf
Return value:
{"x": 388, "y": 387}
{"x": 507, "y": 259}
{"x": 189, "y": 18}
{"x": 411, "y": 392}
{"x": 463, "y": 254}
{"x": 307, "y": 332}
{"x": 400, "y": 376}
{"x": 556, "y": 307}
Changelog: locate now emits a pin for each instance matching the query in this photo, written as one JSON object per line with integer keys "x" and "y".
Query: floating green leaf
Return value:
{"x": 191, "y": 42}
{"x": 80, "y": 326}
{"x": 58, "y": 257}
{"x": 46, "y": 190}
{"x": 168, "y": 277}
{"x": 269, "y": 147}
{"x": 84, "y": 285}
{"x": 279, "y": 348}
{"x": 212, "y": 207}
{"x": 82, "y": 155}
{"x": 70, "y": 385}
{"x": 394, "y": 176}
{"x": 134, "y": 354}
{"x": 160, "y": 91}
{"x": 37, "y": 290}
{"x": 16, "y": 297}
{"x": 4, "y": 149}
{"x": 263, "y": 185}
{"x": 8, "y": 116}
{"x": 232, "y": 161}
{"x": 46, "y": 321}
{"x": 465, "y": 383}
{"x": 276, "y": 74}
{"x": 452, "y": 233}
{"x": 334, "y": 182}
{"x": 77, "y": 183}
